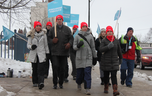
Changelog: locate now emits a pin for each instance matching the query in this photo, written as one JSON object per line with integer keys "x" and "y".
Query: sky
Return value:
{"x": 134, "y": 13}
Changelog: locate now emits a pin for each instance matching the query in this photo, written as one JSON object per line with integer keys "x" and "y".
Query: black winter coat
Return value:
{"x": 97, "y": 45}
{"x": 64, "y": 36}
{"x": 111, "y": 58}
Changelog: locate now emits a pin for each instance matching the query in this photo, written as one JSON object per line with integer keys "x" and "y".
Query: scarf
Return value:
{"x": 111, "y": 38}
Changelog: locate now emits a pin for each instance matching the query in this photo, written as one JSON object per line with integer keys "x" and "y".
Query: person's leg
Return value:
{"x": 80, "y": 78}
{"x": 123, "y": 69}
{"x": 106, "y": 81}
{"x": 87, "y": 77}
{"x": 34, "y": 74}
{"x": 114, "y": 82}
{"x": 72, "y": 57}
{"x": 47, "y": 65}
{"x": 62, "y": 65}
{"x": 66, "y": 74}
{"x": 130, "y": 73}
{"x": 55, "y": 67}
{"x": 101, "y": 74}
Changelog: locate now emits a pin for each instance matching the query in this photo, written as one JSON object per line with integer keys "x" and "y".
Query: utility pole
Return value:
{"x": 89, "y": 13}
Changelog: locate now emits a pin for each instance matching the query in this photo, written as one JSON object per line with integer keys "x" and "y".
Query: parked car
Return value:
{"x": 146, "y": 58}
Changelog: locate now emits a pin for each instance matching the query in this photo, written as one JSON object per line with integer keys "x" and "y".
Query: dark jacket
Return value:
{"x": 97, "y": 45}
{"x": 111, "y": 58}
{"x": 72, "y": 50}
{"x": 49, "y": 44}
{"x": 129, "y": 53}
{"x": 64, "y": 36}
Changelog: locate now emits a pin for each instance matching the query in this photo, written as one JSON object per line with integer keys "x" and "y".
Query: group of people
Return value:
{"x": 56, "y": 44}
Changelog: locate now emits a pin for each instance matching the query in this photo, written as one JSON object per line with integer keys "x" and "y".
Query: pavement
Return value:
{"x": 23, "y": 87}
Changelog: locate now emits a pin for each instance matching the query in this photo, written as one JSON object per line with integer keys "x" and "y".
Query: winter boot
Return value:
{"x": 41, "y": 85}
{"x": 106, "y": 88}
{"x": 79, "y": 87}
{"x": 102, "y": 81}
{"x": 88, "y": 92}
{"x": 115, "y": 92}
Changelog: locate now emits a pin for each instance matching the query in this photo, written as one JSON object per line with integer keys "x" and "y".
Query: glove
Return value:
{"x": 110, "y": 45}
{"x": 138, "y": 60}
{"x": 67, "y": 46}
{"x": 55, "y": 40}
{"x": 33, "y": 47}
{"x": 94, "y": 61}
{"x": 120, "y": 61}
{"x": 80, "y": 44}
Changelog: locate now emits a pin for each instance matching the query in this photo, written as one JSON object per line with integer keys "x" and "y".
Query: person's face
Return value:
{"x": 38, "y": 28}
{"x": 59, "y": 21}
{"x": 84, "y": 28}
{"x": 74, "y": 30}
{"x": 130, "y": 33}
{"x": 109, "y": 33}
{"x": 48, "y": 27}
{"x": 103, "y": 33}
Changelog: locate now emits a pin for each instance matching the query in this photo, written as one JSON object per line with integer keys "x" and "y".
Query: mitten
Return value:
{"x": 80, "y": 44}
{"x": 110, "y": 45}
{"x": 33, "y": 47}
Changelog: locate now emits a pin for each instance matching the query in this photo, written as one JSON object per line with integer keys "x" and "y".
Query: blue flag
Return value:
{"x": 7, "y": 34}
{"x": 98, "y": 30}
{"x": 74, "y": 20}
{"x": 76, "y": 33}
{"x": 66, "y": 13}
{"x": 55, "y": 8}
{"x": 117, "y": 15}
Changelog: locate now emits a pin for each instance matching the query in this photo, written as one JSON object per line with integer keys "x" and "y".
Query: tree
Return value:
{"x": 148, "y": 37}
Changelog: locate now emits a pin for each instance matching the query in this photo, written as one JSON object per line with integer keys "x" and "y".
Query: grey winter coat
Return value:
{"x": 84, "y": 54}
{"x": 111, "y": 58}
{"x": 40, "y": 40}
{"x": 64, "y": 36}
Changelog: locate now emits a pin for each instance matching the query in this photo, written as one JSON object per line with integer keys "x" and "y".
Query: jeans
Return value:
{"x": 127, "y": 65}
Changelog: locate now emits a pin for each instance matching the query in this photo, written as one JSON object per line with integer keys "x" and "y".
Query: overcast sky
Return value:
{"x": 135, "y": 13}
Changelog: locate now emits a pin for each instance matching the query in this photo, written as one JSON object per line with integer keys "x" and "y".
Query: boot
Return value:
{"x": 102, "y": 81}
{"x": 106, "y": 88}
{"x": 115, "y": 92}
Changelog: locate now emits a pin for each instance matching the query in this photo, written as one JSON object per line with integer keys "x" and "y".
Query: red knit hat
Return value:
{"x": 84, "y": 24}
{"x": 109, "y": 28}
{"x": 75, "y": 26}
{"x": 59, "y": 16}
{"x": 49, "y": 23}
{"x": 37, "y": 23}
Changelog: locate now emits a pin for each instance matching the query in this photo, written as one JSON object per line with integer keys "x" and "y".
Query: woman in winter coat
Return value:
{"x": 37, "y": 43}
{"x": 84, "y": 56}
{"x": 111, "y": 59}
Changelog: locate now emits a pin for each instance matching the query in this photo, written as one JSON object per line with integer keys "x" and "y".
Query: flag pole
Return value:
{"x": 55, "y": 27}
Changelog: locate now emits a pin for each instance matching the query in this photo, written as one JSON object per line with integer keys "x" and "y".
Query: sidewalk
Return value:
{"x": 23, "y": 87}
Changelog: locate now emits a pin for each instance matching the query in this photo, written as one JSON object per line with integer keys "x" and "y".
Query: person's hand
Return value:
{"x": 33, "y": 47}
{"x": 94, "y": 61}
{"x": 110, "y": 45}
{"x": 55, "y": 40}
{"x": 80, "y": 44}
{"x": 67, "y": 46}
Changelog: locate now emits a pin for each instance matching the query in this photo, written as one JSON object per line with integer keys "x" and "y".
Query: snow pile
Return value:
{"x": 17, "y": 66}
{"x": 143, "y": 75}
{"x": 3, "y": 92}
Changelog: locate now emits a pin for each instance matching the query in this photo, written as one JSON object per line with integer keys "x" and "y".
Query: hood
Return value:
{"x": 32, "y": 32}
{"x": 85, "y": 33}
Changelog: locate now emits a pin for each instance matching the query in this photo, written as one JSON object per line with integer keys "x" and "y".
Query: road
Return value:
{"x": 147, "y": 70}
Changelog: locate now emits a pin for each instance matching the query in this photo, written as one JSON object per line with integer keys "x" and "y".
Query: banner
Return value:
{"x": 98, "y": 30}
{"x": 117, "y": 15}
{"x": 66, "y": 13}
{"x": 74, "y": 20}
{"x": 7, "y": 34}
{"x": 76, "y": 33}
{"x": 55, "y": 8}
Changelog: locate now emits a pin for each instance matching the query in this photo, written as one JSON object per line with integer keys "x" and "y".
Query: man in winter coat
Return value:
{"x": 60, "y": 49}
{"x": 72, "y": 55}
{"x": 129, "y": 44}
{"x": 84, "y": 54}
{"x": 37, "y": 43}
{"x": 47, "y": 65}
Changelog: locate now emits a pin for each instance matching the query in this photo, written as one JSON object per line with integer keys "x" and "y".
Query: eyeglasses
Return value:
{"x": 59, "y": 19}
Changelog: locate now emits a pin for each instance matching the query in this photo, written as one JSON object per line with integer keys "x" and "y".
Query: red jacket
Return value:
{"x": 130, "y": 54}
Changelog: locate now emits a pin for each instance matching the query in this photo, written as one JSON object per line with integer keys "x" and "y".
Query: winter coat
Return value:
{"x": 84, "y": 54}
{"x": 97, "y": 45}
{"x": 72, "y": 51}
{"x": 40, "y": 40}
{"x": 49, "y": 45}
{"x": 64, "y": 36}
{"x": 111, "y": 58}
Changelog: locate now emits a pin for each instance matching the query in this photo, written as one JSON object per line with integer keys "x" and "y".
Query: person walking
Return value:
{"x": 129, "y": 45}
{"x": 73, "y": 55}
{"x": 85, "y": 50}
{"x": 49, "y": 58}
{"x": 59, "y": 50}
{"x": 111, "y": 58}
{"x": 37, "y": 43}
